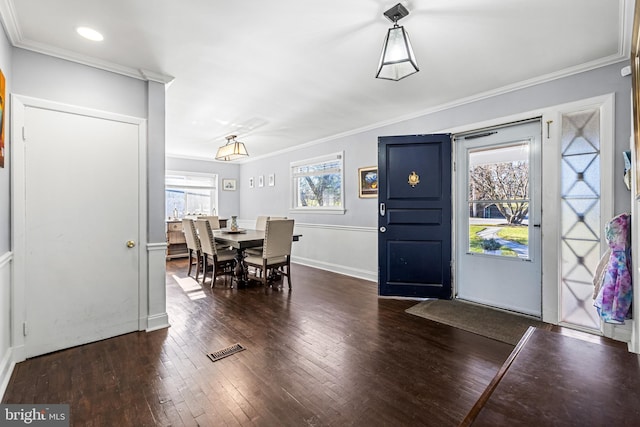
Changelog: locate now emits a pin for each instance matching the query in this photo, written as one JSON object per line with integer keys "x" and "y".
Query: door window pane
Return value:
{"x": 498, "y": 200}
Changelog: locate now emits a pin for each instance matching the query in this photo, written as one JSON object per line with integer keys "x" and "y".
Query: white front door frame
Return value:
{"x": 551, "y": 146}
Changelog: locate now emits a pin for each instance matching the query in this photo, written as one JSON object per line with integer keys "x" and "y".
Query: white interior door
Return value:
{"x": 498, "y": 248}
{"x": 81, "y": 208}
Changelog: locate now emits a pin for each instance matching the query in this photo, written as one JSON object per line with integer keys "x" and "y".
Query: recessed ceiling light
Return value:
{"x": 90, "y": 34}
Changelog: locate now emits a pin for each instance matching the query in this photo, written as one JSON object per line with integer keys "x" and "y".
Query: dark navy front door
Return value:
{"x": 414, "y": 216}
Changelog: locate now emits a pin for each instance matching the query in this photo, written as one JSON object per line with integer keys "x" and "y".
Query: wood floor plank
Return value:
{"x": 329, "y": 353}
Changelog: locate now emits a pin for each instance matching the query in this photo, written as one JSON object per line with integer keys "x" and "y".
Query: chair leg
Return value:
{"x": 205, "y": 264}
{"x": 289, "y": 275}
{"x": 198, "y": 265}
{"x": 264, "y": 272}
{"x": 190, "y": 262}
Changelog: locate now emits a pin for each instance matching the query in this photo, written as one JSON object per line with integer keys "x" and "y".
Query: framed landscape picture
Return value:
{"x": 229, "y": 184}
{"x": 368, "y": 182}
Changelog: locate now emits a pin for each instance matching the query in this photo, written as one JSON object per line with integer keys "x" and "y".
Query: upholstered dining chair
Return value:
{"x": 276, "y": 252}
{"x": 214, "y": 221}
{"x": 193, "y": 245}
{"x": 222, "y": 261}
{"x": 261, "y": 224}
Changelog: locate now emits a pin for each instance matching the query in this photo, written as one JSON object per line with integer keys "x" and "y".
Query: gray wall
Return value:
{"x": 228, "y": 201}
{"x": 58, "y": 80}
{"x": 5, "y": 173}
{"x": 361, "y": 148}
{"x": 54, "y": 79}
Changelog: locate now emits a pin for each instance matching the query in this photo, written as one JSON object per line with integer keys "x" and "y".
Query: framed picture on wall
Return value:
{"x": 272, "y": 180}
{"x": 251, "y": 183}
{"x": 368, "y": 182}
{"x": 261, "y": 181}
{"x": 229, "y": 184}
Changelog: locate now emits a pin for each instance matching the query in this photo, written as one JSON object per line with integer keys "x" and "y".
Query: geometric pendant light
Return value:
{"x": 397, "y": 60}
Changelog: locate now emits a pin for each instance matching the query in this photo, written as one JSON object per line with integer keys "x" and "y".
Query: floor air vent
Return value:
{"x": 221, "y": 354}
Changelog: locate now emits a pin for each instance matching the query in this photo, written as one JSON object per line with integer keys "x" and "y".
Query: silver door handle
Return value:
{"x": 382, "y": 209}
{"x": 383, "y": 229}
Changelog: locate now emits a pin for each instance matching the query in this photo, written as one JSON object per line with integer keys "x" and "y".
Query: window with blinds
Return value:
{"x": 190, "y": 195}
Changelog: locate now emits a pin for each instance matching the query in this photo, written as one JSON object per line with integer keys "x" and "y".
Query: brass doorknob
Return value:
{"x": 130, "y": 243}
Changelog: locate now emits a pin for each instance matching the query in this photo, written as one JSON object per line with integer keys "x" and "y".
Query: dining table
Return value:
{"x": 240, "y": 240}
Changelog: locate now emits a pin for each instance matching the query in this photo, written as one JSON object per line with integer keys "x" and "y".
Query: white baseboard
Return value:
{"x": 157, "y": 321}
{"x": 348, "y": 250}
{"x": 336, "y": 268}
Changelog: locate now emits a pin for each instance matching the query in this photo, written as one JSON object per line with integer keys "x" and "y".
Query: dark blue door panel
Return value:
{"x": 414, "y": 237}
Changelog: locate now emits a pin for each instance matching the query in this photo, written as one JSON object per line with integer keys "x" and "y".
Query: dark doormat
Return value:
{"x": 488, "y": 322}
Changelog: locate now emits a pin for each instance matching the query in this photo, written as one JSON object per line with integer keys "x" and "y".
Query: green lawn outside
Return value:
{"x": 515, "y": 233}
{"x": 474, "y": 240}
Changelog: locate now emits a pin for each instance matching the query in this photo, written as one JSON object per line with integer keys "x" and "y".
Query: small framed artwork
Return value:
{"x": 272, "y": 180}
{"x": 368, "y": 182}
{"x": 229, "y": 184}
{"x": 261, "y": 181}
{"x": 251, "y": 182}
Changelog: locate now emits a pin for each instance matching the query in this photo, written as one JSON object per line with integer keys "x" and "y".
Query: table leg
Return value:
{"x": 240, "y": 271}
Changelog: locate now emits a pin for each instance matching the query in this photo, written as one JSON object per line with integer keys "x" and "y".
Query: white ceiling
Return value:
{"x": 285, "y": 72}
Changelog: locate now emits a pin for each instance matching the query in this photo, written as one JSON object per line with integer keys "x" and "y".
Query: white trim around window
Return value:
{"x": 328, "y": 169}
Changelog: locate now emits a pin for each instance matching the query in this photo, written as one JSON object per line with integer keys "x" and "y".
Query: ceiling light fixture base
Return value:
{"x": 396, "y": 13}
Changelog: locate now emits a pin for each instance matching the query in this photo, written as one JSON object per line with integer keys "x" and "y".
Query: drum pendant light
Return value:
{"x": 232, "y": 150}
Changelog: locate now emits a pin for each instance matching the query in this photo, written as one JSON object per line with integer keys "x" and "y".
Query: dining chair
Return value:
{"x": 276, "y": 251}
{"x": 193, "y": 245}
{"x": 222, "y": 261}
{"x": 214, "y": 221}
{"x": 261, "y": 224}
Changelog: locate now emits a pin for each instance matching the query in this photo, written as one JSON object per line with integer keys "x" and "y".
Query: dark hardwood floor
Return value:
{"x": 330, "y": 353}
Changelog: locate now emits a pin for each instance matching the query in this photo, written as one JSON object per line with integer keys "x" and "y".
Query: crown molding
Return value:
{"x": 9, "y": 21}
{"x": 14, "y": 34}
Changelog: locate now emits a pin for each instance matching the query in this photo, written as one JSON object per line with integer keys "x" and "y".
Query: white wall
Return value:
{"x": 335, "y": 250}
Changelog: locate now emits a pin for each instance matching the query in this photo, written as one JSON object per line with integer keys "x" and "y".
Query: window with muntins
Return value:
{"x": 317, "y": 184}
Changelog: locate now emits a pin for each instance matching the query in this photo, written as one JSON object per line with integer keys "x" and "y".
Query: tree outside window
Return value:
{"x": 499, "y": 200}
{"x": 317, "y": 184}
